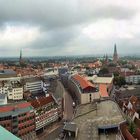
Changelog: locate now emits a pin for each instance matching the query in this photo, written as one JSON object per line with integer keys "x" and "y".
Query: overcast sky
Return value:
{"x": 69, "y": 27}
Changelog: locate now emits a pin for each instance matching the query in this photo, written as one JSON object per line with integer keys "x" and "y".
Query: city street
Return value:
{"x": 68, "y": 109}
{"x": 52, "y": 131}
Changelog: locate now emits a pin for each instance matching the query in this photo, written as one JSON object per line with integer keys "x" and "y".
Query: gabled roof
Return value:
{"x": 82, "y": 81}
{"x": 41, "y": 101}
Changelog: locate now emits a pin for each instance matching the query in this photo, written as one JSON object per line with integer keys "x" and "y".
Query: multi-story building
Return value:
{"x": 46, "y": 112}
{"x": 18, "y": 118}
{"x": 33, "y": 84}
{"x": 83, "y": 90}
{"x": 13, "y": 89}
{"x": 133, "y": 79}
{"x": 15, "y": 92}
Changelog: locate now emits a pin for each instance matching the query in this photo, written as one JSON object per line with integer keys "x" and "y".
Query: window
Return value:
{"x": 90, "y": 97}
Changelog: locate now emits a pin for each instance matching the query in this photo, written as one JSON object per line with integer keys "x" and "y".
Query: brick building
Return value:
{"x": 18, "y": 118}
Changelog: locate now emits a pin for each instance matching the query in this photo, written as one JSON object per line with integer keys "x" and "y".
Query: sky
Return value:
{"x": 69, "y": 27}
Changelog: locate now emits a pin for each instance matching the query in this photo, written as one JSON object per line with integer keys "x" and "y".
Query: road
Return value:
{"x": 51, "y": 131}
{"x": 68, "y": 109}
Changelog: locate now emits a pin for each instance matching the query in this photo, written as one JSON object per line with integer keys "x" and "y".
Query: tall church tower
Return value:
{"x": 20, "y": 58}
{"x": 115, "y": 56}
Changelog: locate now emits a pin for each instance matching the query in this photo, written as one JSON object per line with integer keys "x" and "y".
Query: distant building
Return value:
{"x": 115, "y": 55}
{"x": 18, "y": 118}
{"x": 46, "y": 111}
{"x": 7, "y": 74}
{"x": 21, "y": 61}
{"x": 133, "y": 79}
{"x": 62, "y": 71}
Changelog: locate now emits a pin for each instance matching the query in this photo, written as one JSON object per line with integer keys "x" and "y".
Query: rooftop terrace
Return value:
{"x": 88, "y": 119}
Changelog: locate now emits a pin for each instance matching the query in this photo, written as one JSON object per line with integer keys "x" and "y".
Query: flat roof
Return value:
{"x": 32, "y": 79}
{"x": 100, "y": 80}
{"x": 6, "y": 135}
{"x": 88, "y": 120}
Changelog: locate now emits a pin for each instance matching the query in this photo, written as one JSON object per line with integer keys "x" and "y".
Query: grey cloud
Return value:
{"x": 59, "y": 21}
{"x": 60, "y": 13}
{"x": 56, "y": 38}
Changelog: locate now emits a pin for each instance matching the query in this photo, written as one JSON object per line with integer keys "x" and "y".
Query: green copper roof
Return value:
{"x": 6, "y": 135}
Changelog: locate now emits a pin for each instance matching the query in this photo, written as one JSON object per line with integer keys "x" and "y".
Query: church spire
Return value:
{"x": 20, "y": 54}
{"x": 20, "y": 58}
{"x": 115, "y": 56}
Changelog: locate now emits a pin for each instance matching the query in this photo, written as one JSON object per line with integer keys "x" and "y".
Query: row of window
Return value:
{"x": 5, "y": 118}
{"x": 26, "y": 119}
{"x": 26, "y": 126}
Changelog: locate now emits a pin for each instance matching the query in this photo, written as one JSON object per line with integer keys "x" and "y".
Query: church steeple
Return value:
{"x": 20, "y": 58}
{"x": 115, "y": 55}
{"x": 20, "y": 55}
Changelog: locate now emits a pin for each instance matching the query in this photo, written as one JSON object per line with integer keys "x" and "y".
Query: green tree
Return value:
{"x": 119, "y": 80}
{"x": 132, "y": 127}
{"x": 104, "y": 70}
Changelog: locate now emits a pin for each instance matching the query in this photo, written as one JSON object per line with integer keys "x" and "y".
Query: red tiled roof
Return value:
{"x": 41, "y": 101}
{"x": 103, "y": 90}
{"x": 12, "y": 107}
{"x": 82, "y": 81}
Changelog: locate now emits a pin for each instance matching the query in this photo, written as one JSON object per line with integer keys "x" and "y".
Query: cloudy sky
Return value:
{"x": 69, "y": 27}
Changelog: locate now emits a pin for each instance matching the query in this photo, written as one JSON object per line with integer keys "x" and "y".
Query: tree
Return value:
{"x": 119, "y": 80}
{"x": 104, "y": 70}
{"x": 132, "y": 127}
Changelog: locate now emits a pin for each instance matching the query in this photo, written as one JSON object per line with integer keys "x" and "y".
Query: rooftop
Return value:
{"x": 84, "y": 83}
{"x": 100, "y": 80}
{"x": 41, "y": 101}
{"x": 103, "y": 90}
{"x": 6, "y": 135}
{"x": 88, "y": 120}
{"x": 7, "y": 73}
{"x": 16, "y": 108}
{"x": 32, "y": 79}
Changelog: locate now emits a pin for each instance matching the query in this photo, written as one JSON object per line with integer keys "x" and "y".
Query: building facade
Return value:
{"x": 46, "y": 112}
{"x": 18, "y": 118}
{"x": 33, "y": 84}
{"x": 134, "y": 79}
{"x": 82, "y": 90}
{"x": 13, "y": 89}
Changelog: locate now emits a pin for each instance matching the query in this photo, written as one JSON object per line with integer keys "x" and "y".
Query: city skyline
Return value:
{"x": 50, "y": 28}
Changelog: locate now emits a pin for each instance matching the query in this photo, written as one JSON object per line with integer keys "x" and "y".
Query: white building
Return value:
{"x": 13, "y": 89}
{"x": 16, "y": 93}
{"x": 33, "y": 84}
{"x": 134, "y": 79}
